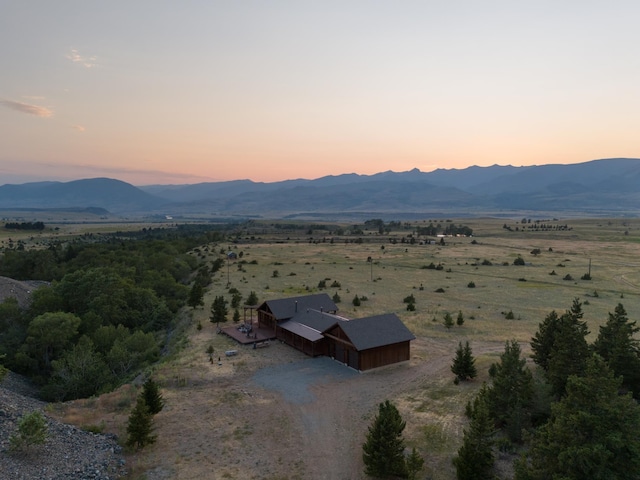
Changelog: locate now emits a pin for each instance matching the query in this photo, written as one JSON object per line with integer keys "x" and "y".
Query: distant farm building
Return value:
{"x": 310, "y": 324}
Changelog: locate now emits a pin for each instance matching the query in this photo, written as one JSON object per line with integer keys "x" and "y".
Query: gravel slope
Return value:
{"x": 68, "y": 453}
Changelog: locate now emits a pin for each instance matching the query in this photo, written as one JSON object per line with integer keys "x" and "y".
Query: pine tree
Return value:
{"x": 252, "y": 299}
{"x": 140, "y": 426}
{"x": 383, "y": 451}
{"x": 152, "y": 396}
{"x": 460, "y": 319}
{"x": 560, "y": 346}
{"x": 448, "y": 320}
{"x": 218, "y": 310}
{"x": 414, "y": 464}
{"x": 618, "y": 347}
{"x": 510, "y": 396}
{"x": 592, "y": 432}
{"x": 542, "y": 341}
{"x": 196, "y": 295}
{"x": 464, "y": 364}
{"x": 475, "y": 457}
{"x": 32, "y": 430}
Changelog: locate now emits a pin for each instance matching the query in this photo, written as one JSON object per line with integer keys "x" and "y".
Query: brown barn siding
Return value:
{"x": 385, "y": 355}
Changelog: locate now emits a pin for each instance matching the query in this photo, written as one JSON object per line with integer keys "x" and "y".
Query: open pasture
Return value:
{"x": 475, "y": 275}
{"x": 219, "y": 422}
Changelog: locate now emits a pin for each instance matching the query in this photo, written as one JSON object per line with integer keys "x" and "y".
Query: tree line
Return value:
{"x": 24, "y": 226}
{"x": 104, "y": 314}
{"x": 574, "y": 416}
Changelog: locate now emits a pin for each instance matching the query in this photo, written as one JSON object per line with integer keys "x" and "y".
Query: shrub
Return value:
{"x": 409, "y": 299}
{"x": 32, "y": 430}
{"x": 471, "y": 285}
{"x": 518, "y": 261}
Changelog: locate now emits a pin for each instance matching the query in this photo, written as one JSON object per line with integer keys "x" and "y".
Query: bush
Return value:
{"x": 518, "y": 261}
{"x": 471, "y": 285}
{"x": 32, "y": 430}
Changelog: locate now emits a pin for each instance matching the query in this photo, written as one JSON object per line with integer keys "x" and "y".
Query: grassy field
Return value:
{"x": 528, "y": 292}
{"x": 276, "y": 263}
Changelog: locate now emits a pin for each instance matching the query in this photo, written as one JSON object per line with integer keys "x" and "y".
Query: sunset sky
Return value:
{"x": 173, "y": 92}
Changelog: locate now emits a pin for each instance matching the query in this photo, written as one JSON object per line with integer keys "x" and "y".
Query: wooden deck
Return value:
{"x": 257, "y": 335}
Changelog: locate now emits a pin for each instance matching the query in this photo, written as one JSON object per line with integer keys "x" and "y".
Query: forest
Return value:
{"x": 106, "y": 311}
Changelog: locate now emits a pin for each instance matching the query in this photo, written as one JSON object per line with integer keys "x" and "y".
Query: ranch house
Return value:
{"x": 310, "y": 324}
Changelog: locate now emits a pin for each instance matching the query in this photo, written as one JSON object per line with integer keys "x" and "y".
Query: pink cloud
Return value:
{"x": 27, "y": 108}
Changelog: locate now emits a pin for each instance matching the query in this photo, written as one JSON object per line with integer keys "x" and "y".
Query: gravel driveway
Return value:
{"x": 294, "y": 380}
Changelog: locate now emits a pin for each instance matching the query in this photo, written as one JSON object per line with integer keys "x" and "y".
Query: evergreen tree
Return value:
{"x": 510, "y": 396}
{"x": 218, "y": 310}
{"x": 448, "y": 320}
{"x": 592, "y": 432}
{"x": 152, "y": 396}
{"x": 569, "y": 354}
{"x": 383, "y": 451}
{"x": 252, "y": 299}
{"x": 32, "y": 430}
{"x": 560, "y": 346}
{"x": 140, "y": 425}
{"x": 464, "y": 364}
{"x": 460, "y": 319}
{"x": 475, "y": 457}
{"x": 618, "y": 347}
{"x": 356, "y": 301}
{"x": 196, "y": 295}
{"x": 542, "y": 341}
{"x": 236, "y": 316}
{"x": 414, "y": 464}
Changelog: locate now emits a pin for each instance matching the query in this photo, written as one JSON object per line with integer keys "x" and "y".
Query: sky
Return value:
{"x": 175, "y": 92}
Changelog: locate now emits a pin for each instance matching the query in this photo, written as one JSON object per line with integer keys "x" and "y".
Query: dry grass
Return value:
{"x": 199, "y": 432}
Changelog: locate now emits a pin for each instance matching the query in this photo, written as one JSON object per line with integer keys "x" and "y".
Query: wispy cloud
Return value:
{"x": 79, "y": 128}
{"x": 28, "y": 108}
{"x": 86, "y": 61}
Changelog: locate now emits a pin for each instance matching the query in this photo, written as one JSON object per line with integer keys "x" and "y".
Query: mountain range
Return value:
{"x": 607, "y": 187}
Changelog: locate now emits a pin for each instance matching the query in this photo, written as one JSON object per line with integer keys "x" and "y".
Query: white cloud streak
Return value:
{"x": 79, "y": 128}
{"x": 27, "y": 108}
{"x": 86, "y": 61}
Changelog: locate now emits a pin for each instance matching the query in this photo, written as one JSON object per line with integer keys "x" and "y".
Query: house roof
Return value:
{"x": 371, "y": 332}
{"x": 310, "y": 324}
{"x": 286, "y": 308}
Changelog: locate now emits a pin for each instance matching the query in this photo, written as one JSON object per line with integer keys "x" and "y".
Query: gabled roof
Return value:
{"x": 286, "y": 308}
{"x": 371, "y": 332}
{"x": 310, "y": 324}
{"x": 317, "y": 320}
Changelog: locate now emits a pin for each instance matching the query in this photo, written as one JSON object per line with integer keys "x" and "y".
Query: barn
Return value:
{"x": 370, "y": 342}
{"x": 310, "y": 324}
